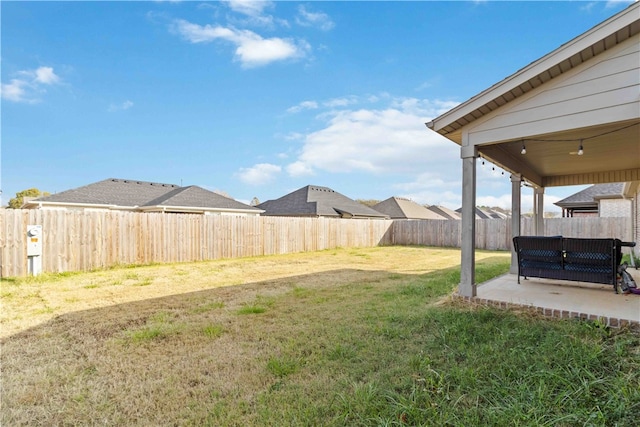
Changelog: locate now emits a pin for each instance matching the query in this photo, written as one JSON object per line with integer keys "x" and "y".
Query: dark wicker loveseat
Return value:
{"x": 562, "y": 258}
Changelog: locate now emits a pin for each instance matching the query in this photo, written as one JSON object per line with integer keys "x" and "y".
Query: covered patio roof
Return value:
{"x": 550, "y": 125}
{"x": 570, "y": 118}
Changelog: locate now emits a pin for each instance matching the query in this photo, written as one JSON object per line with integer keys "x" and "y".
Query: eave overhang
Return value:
{"x": 604, "y": 36}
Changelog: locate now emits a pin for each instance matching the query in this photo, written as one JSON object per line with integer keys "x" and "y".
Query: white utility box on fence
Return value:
{"x": 34, "y": 249}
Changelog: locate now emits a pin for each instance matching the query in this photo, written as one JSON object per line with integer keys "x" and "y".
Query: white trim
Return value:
{"x": 173, "y": 209}
{"x": 188, "y": 209}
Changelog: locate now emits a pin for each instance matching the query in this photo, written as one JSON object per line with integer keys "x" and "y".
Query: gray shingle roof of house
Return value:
{"x": 117, "y": 192}
{"x": 131, "y": 193}
{"x": 314, "y": 200}
{"x": 194, "y": 196}
{"x": 445, "y": 212}
{"x": 486, "y": 213}
{"x": 590, "y": 195}
{"x": 400, "y": 208}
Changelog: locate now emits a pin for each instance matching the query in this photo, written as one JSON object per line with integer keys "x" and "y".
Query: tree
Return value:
{"x": 18, "y": 201}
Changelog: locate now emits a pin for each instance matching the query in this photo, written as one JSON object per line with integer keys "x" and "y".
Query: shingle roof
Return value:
{"x": 445, "y": 212}
{"x": 117, "y": 192}
{"x": 590, "y": 195}
{"x": 314, "y": 200}
{"x": 485, "y": 213}
{"x": 400, "y": 208}
{"x": 126, "y": 193}
{"x": 194, "y": 196}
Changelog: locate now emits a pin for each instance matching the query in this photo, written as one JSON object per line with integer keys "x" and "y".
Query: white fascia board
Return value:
{"x": 191, "y": 209}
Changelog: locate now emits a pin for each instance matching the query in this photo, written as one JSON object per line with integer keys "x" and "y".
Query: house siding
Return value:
{"x": 591, "y": 94}
{"x": 615, "y": 208}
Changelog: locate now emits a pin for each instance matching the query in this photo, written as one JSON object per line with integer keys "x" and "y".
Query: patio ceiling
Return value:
{"x": 611, "y": 153}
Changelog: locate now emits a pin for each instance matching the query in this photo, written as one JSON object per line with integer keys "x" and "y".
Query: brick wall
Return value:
{"x": 615, "y": 208}
{"x": 636, "y": 221}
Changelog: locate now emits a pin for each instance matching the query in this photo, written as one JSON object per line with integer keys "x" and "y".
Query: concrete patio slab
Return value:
{"x": 560, "y": 298}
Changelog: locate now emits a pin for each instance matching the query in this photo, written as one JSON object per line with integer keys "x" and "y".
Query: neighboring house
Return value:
{"x": 486, "y": 213}
{"x": 445, "y": 212}
{"x": 494, "y": 214}
{"x": 400, "y": 208}
{"x": 141, "y": 196}
{"x": 315, "y": 201}
{"x": 603, "y": 200}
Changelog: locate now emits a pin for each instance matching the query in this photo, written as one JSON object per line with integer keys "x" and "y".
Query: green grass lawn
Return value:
{"x": 351, "y": 345}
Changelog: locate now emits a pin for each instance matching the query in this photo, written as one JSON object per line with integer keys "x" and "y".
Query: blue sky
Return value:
{"x": 257, "y": 99}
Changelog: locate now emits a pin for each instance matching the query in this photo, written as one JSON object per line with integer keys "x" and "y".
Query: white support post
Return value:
{"x": 467, "y": 285}
{"x": 516, "y": 197}
{"x": 538, "y": 211}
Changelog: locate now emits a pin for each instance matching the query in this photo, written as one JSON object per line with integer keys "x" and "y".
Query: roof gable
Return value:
{"x": 197, "y": 197}
{"x": 583, "y": 94}
{"x": 401, "y": 208}
{"x": 445, "y": 212}
{"x": 590, "y": 195}
{"x": 615, "y": 30}
{"x": 604, "y": 36}
{"x": 314, "y": 200}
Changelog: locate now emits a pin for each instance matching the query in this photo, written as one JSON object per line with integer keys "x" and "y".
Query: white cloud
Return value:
{"x": 200, "y": 34}
{"x": 15, "y": 91}
{"x": 330, "y": 103}
{"x": 304, "y": 105}
{"x": 45, "y": 75}
{"x": 252, "y": 50}
{"x": 341, "y": 102}
{"x": 251, "y": 8}
{"x": 254, "y": 15}
{"x": 314, "y": 19}
{"x": 618, "y": 3}
{"x": 120, "y": 107}
{"x": 503, "y": 201}
{"x": 298, "y": 169}
{"x": 423, "y": 86}
{"x": 293, "y": 136}
{"x": 433, "y": 188}
{"x": 391, "y": 140}
{"x": 29, "y": 85}
{"x": 259, "y": 174}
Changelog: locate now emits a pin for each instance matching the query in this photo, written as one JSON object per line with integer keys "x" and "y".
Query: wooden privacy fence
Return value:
{"x": 82, "y": 241}
{"x": 495, "y": 234}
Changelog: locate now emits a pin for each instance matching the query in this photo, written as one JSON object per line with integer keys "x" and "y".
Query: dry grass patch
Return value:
{"x": 78, "y": 348}
{"x": 341, "y": 337}
{"x": 27, "y": 302}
